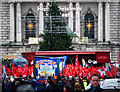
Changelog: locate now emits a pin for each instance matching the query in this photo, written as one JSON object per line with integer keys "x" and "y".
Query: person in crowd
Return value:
{"x": 24, "y": 78}
{"x": 29, "y": 80}
{"x": 68, "y": 88}
{"x": 20, "y": 78}
{"x": 59, "y": 86}
{"x": 34, "y": 82}
{"x": 95, "y": 87}
{"x": 48, "y": 87}
{"x": 77, "y": 87}
{"x": 85, "y": 83}
{"x": 41, "y": 83}
{"x": 71, "y": 81}
{"x": 16, "y": 84}
{"x": 7, "y": 85}
{"x": 64, "y": 81}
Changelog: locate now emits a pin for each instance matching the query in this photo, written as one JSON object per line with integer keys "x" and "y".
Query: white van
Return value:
{"x": 111, "y": 83}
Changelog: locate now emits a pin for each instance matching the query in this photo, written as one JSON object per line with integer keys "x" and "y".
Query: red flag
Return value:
{"x": 76, "y": 65}
{"x": 118, "y": 55}
{"x": 76, "y": 61}
{"x": 102, "y": 76}
{"x": 12, "y": 65}
{"x": 13, "y": 68}
{"x": 19, "y": 70}
{"x": 112, "y": 69}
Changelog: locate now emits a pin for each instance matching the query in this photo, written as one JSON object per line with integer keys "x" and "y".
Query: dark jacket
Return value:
{"x": 76, "y": 90}
{"x": 91, "y": 89}
{"x": 48, "y": 89}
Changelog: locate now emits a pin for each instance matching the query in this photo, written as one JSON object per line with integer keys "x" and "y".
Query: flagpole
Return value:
{"x": 58, "y": 72}
{"x": 34, "y": 72}
{"x": 62, "y": 66}
{"x": 115, "y": 69}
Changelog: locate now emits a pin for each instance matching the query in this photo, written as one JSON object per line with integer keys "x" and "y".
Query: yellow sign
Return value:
{"x": 33, "y": 40}
{"x": 9, "y": 56}
{"x": 83, "y": 40}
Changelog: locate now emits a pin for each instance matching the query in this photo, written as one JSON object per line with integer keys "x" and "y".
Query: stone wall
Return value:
{"x": 114, "y": 22}
{"x": 7, "y": 49}
{"x": 115, "y": 29}
{"x": 5, "y": 23}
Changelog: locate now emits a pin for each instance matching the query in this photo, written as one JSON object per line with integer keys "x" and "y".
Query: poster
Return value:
{"x": 48, "y": 66}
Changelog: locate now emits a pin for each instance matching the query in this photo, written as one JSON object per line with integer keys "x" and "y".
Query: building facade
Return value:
{"x": 96, "y": 23}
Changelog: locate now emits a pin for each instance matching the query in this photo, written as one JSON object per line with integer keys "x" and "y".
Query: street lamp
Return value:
{"x": 92, "y": 62}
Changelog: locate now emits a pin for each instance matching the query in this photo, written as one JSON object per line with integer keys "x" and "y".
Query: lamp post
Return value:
{"x": 92, "y": 62}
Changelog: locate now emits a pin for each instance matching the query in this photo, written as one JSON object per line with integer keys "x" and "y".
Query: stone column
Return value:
{"x": 41, "y": 18}
{"x": 47, "y": 7}
{"x": 12, "y": 24}
{"x": 107, "y": 22}
{"x": 77, "y": 21}
{"x": 100, "y": 22}
{"x": 18, "y": 23}
{"x": 70, "y": 20}
{"x": 0, "y": 24}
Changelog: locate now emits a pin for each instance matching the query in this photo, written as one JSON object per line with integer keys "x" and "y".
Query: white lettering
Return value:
{"x": 61, "y": 8}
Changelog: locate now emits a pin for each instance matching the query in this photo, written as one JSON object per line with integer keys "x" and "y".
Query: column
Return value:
{"x": 41, "y": 18}
{"x": 47, "y": 7}
{"x": 70, "y": 20}
{"x": 107, "y": 22}
{"x": 0, "y": 25}
{"x": 77, "y": 21}
{"x": 18, "y": 23}
{"x": 12, "y": 24}
{"x": 100, "y": 22}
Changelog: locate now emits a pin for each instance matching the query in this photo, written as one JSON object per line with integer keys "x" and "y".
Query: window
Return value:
{"x": 30, "y": 26}
{"x": 89, "y": 26}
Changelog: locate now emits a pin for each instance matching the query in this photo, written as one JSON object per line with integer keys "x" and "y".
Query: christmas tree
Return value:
{"x": 55, "y": 37}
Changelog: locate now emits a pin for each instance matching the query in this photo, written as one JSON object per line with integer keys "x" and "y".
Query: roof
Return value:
{"x": 67, "y": 52}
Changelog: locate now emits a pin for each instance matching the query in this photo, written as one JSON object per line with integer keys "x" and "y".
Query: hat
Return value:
{"x": 70, "y": 76}
{"x": 24, "y": 76}
{"x": 7, "y": 76}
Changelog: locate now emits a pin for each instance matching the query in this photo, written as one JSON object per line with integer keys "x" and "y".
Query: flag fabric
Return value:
{"x": 4, "y": 72}
{"x": 83, "y": 63}
{"x": 102, "y": 76}
{"x": 76, "y": 62}
{"x": 77, "y": 65}
{"x": 112, "y": 69}
{"x": 118, "y": 55}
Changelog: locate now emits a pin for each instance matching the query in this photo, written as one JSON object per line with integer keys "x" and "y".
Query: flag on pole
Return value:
{"x": 4, "y": 72}
{"x": 76, "y": 61}
{"x": 83, "y": 63}
{"x": 118, "y": 55}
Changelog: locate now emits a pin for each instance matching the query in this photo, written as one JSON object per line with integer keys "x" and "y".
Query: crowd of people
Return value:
{"x": 62, "y": 84}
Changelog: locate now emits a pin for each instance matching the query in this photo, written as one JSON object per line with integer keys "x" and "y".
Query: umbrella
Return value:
{"x": 20, "y": 61}
{"x": 25, "y": 88}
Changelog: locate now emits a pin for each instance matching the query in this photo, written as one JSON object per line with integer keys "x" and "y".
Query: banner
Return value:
{"x": 62, "y": 61}
{"x": 48, "y": 66}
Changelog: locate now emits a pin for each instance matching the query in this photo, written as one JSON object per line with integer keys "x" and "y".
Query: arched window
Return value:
{"x": 30, "y": 28}
{"x": 89, "y": 25}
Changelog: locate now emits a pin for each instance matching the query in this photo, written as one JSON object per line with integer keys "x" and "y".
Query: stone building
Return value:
{"x": 96, "y": 23}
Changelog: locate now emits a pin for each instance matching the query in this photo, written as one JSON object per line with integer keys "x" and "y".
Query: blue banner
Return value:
{"x": 62, "y": 61}
{"x": 48, "y": 67}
